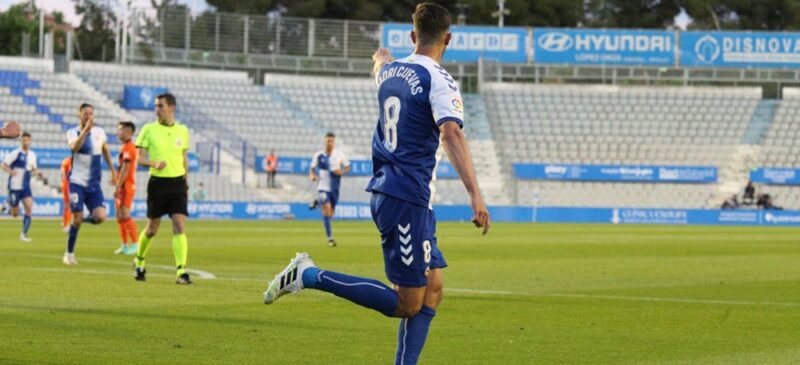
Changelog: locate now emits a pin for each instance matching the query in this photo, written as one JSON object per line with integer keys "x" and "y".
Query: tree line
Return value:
{"x": 95, "y": 33}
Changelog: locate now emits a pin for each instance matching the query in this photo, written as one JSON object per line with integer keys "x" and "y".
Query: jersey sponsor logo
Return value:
{"x": 457, "y": 104}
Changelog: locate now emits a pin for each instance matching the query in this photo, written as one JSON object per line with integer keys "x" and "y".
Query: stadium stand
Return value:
{"x": 597, "y": 124}
{"x": 506, "y": 124}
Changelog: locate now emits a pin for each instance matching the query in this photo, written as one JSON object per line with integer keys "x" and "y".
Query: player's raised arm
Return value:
{"x": 380, "y": 58}
{"x": 455, "y": 144}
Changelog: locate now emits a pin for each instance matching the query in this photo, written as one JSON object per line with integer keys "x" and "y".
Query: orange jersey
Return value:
{"x": 66, "y": 167}
{"x": 129, "y": 154}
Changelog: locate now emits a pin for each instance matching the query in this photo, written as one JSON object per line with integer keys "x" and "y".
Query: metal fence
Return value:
{"x": 213, "y": 34}
{"x": 262, "y": 44}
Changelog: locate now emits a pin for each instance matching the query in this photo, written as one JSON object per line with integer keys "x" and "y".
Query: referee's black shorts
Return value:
{"x": 167, "y": 195}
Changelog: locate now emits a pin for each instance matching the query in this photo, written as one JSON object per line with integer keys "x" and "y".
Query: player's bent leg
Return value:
{"x": 98, "y": 215}
{"x": 301, "y": 273}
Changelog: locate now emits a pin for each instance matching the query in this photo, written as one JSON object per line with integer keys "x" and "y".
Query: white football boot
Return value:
{"x": 290, "y": 280}
{"x": 69, "y": 259}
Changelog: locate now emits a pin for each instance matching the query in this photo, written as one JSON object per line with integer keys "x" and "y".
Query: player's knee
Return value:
{"x": 408, "y": 309}
{"x": 408, "y": 305}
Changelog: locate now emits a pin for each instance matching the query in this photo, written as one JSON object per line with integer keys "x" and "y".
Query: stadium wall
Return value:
{"x": 52, "y": 207}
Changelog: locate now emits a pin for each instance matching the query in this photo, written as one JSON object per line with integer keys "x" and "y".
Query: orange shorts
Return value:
{"x": 125, "y": 199}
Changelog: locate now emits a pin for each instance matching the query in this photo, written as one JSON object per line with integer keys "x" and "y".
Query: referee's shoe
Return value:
{"x": 183, "y": 279}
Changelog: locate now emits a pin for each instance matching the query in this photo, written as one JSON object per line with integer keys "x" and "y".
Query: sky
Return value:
{"x": 68, "y": 6}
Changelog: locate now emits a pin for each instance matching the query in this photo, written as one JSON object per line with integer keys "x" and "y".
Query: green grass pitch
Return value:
{"x": 524, "y": 294}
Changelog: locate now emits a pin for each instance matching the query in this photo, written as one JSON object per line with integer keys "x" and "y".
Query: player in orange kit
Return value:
{"x": 126, "y": 188}
{"x": 66, "y": 167}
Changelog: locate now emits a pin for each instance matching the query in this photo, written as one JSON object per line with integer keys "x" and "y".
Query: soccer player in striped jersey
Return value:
{"x": 327, "y": 168}
{"x": 20, "y": 164}
{"x": 88, "y": 144}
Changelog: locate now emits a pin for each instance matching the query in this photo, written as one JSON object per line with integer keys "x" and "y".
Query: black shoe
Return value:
{"x": 313, "y": 205}
{"x": 331, "y": 243}
{"x": 183, "y": 279}
{"x": 140, "y": 272}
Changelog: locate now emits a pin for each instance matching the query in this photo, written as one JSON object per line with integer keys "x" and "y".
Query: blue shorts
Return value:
{"x": 80, "y": 195}
{"x": 16, "y": 196}
{"x": 408, "y": 237}
{"x": 326, "y": 197}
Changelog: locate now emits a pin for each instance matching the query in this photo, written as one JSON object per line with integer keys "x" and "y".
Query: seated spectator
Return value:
{"x": 731, "y": 203}
{"x": 749, "y": 194}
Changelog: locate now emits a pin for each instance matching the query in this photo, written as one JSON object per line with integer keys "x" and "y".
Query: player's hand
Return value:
{"x": 480, "y": 215}
{"x": 160, "y": 165}
{"x": 382, "y": 55}
{"x": 12, "y": 172}
{"x": 12, "y": 129}
{"x": 89, "y": 125}
{"x": 313, "y": 177}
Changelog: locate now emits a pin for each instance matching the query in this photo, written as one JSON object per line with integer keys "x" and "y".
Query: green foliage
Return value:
{"x": 13, "y": 24}
{"x": 746, "y": 15}
{"x": 95, "y": 36}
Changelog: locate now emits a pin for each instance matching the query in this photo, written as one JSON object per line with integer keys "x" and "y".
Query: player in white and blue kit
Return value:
{"x": 327, "y": 167}
{"x": 20, "y": 164}
{"x": 88, "y": 143}
{"x": 419, "y": 110}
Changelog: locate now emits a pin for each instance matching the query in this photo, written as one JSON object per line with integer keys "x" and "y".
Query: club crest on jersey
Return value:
{"x": 179, "y": 142}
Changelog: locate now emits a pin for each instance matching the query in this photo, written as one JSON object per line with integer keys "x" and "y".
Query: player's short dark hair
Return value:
{"x": 26, "y": 134}
{"x": 330, "y": 134}
{"x": 431, "y": 22}
{"x": 128, "y": 124}
{"x": 169, "y": 98}
{"x": 84, "y": 106}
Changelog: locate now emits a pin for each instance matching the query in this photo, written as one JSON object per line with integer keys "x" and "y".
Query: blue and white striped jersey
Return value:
{"x": 22, "y": 163}
{"x": 86, "y": 163}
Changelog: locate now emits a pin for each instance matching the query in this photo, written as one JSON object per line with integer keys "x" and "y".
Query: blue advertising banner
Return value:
{"x": 604, "y": 46}
{"x": 656, "y": 174}
{"x": 52, "y": 207}
{"x": 50, "y": 158}
{"x": 740, "y": 49}
{"x": 775, "y": 176}
{"x": 140, "y": 97}
{"x": 299, "y": 165}
{"x": 468, "y": 43}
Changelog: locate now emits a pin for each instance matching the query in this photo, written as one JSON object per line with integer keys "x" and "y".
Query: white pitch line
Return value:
{"x": 200, "y": 273}
{"x": 621, "y": 297}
